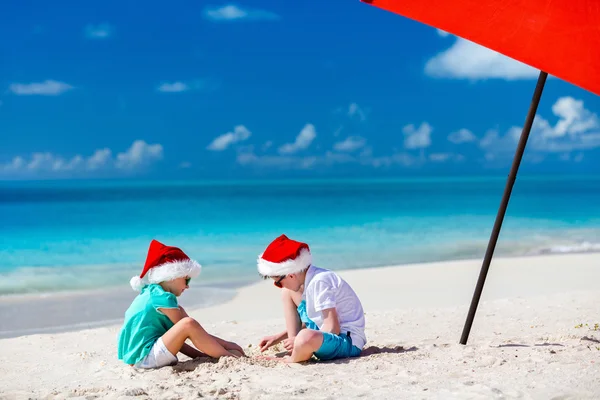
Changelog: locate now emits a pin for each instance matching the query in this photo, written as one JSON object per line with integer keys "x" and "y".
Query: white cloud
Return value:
{"x": 16, "y": 164}
{"x": 574, "y": 118}
{"x": 47, "y": 165}
{"x": 403, "y": 159}
{"x": 440, "y": 157}
{"x": 493, "y": 143}
{"x": 467, "y": 60}
{"x": 232, "y": 12}
{"x": 287, "y": 162}
{"x": 45, "y": 161}
{"x": 140, "y": 153}
{"x": 576, "y": 129}
{"x": 100, "y": 31}
{"x": 248, "y": 158}
{"x": 99, "y": 159}
{"x": 417, "y": 138}
{"x": 239, "y": 134}
{"x": 442, "y": 33}
{"x": 462, "y": 136}
{"x": 355, "y": 111}
{"x": 175, "y": 87}
{"x": 185, "y": 86}
{"x": 46, "y": 88}
{"x": 338, "y": 158}
{"x": 303, "y": 140}
{"x": 351, "y": 144}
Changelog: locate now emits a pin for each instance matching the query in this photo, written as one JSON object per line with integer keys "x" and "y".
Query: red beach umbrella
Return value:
{"x": 560, "y": 38}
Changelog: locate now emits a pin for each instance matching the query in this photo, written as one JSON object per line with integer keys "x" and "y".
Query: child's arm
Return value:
{"x": 228, "y": 345}
{"x": 174, "y": 314}
{"x": 183, "y": 311}
{"x": 331, "y": 323}
{"x": 269, "y": 341}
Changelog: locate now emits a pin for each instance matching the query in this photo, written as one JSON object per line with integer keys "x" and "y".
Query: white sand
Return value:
{"x": 524, "y": 343}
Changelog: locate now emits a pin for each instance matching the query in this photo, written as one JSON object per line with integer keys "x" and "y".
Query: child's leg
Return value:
{"x": 307, "y": 342}
{"x": 323, "y": 345}
{"x": 290, "y": 300}
{"x": 190, "y": 328}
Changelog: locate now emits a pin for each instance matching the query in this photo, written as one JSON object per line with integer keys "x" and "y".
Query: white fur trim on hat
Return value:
{"x": 300, "y": 263}
{"x": 167, "y": 272}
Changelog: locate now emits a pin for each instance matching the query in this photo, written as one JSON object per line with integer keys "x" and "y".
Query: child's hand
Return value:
{"x": 267, "y": 342}
{"x": 288, "y": 343}
{"x": 234, "y": 346}
{"x": 237, "y": 354}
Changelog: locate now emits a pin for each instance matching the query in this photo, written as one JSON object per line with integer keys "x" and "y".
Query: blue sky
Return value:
{"x": 197, "y": 90}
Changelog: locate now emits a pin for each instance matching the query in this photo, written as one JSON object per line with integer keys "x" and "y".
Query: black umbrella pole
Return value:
{"x": 512, "y": 176}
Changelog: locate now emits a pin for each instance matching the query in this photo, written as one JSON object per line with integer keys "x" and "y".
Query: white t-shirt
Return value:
{"x": 324, "y": 289}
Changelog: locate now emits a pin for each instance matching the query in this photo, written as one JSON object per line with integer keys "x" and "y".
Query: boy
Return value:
{"x": 156, "y": 327}
{"x": 313, "y": 298}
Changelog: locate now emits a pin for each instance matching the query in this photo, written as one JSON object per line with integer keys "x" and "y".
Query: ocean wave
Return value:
{"x": 29, "y": 280}
{"x": 583, "y": 247}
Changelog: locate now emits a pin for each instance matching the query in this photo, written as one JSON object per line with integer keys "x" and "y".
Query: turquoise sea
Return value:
{"x": 79, "y": 235}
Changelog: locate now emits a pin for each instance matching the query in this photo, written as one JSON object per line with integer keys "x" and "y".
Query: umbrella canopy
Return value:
{"x": 561, "y": 38}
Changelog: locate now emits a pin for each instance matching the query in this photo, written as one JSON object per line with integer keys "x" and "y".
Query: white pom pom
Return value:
{"x": 136, "y": 283}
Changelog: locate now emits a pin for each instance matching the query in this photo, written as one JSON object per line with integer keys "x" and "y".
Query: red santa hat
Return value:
{"x": 284, "y": 256}
{"x": 164, "y": 263}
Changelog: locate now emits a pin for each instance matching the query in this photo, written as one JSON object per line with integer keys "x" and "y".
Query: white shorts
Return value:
{"x": 158, "y": 357}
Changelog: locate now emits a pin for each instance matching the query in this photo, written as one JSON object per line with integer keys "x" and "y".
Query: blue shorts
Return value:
{"x": 334, "y": 346}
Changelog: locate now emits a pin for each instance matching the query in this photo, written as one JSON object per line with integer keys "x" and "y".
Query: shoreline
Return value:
{"x": 23, "y": 297}
{"x": 85, "y": 310}
{"x": 241, "y": 283}
{"x": 73, "y": 311}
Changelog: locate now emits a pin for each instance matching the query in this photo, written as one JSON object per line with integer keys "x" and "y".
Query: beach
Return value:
{"x": 534, "y": 337}
{"x": 223, "y": 150}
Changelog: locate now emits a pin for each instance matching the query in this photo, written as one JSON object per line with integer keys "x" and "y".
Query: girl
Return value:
{"x": 156, "y": 327}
